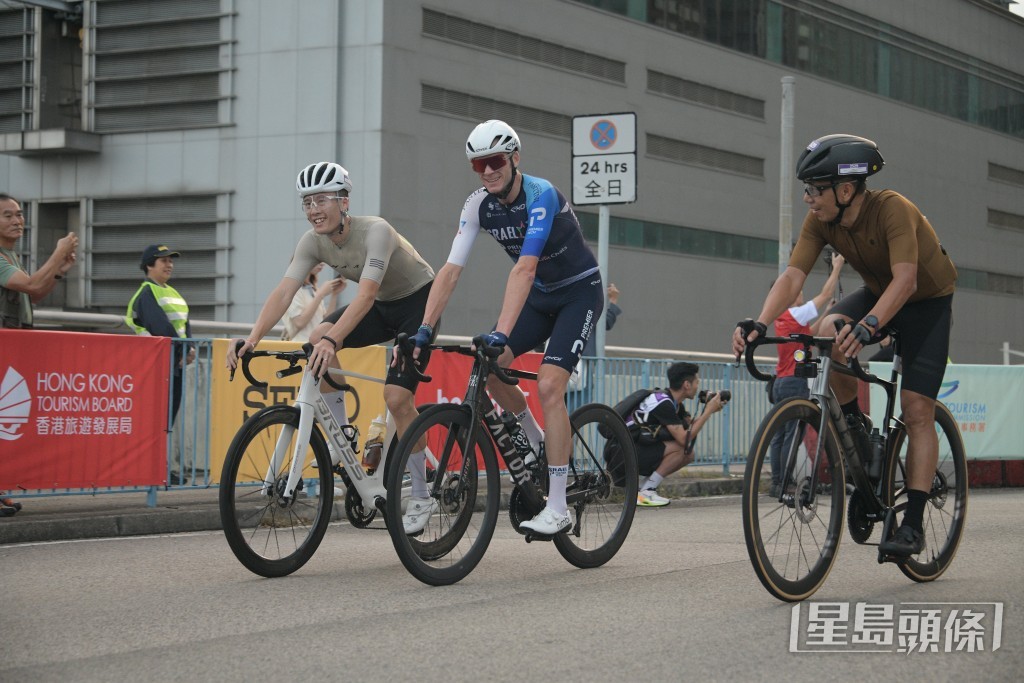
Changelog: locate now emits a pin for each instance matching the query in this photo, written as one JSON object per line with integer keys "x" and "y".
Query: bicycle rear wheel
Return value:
{"x": 270, "y": 534}
{"x": 792, "y": 539}
{"x": 946, "y": 511}
{"x": 457, "y": 535}
{"x": 603, "y": 511}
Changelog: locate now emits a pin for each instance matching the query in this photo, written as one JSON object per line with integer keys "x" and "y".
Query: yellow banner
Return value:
{"x": 231, "y": 403}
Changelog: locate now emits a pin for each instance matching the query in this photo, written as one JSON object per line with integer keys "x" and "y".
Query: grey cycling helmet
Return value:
{"x": 839, "y": 158}
{"x": 491, "y": 137}
{"x": 323, "y": 176}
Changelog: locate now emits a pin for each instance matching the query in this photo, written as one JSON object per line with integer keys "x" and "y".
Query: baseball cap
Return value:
{"x": 155, "y": 251}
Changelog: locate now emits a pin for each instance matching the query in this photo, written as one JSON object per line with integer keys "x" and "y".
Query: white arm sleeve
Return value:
{"x": 469, "y": 228}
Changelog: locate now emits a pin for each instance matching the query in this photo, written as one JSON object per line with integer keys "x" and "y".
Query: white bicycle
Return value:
{"x": 277, "y": 484}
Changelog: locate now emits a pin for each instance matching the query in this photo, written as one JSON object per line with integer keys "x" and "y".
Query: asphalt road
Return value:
{"x": 679, "y": 602}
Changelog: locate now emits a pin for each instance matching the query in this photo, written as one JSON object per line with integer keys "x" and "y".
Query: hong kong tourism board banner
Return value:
{"x": 986, "y": 402}
{"x": 82, "y": 410}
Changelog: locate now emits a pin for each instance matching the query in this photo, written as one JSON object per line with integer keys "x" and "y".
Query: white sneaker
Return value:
{"x": 417, "y": 513}
{"x": 649, "y": 498}
{"x": 548, "y": 522}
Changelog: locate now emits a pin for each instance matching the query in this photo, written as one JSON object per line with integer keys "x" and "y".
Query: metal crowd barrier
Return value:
{"x": 724, "y": 441}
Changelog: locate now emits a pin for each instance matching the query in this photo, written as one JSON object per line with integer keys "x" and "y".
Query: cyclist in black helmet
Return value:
{"x": 908, "y": 285}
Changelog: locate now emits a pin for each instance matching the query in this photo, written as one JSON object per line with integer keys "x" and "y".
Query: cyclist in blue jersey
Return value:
{"x": 554, "y": 293}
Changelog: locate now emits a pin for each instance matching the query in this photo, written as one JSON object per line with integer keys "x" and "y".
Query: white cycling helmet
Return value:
{"x": 323, "y": 176}
{"x": 491, "y": 137}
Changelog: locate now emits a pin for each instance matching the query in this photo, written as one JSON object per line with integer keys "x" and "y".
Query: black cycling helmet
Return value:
{"x": 839, "y": 158}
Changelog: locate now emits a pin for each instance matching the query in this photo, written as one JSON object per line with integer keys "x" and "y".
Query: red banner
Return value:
{"x": 450, "y": 374}
{"x": 82, "y": 410}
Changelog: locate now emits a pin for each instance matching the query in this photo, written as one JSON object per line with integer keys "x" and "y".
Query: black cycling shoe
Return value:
{"x": 904, "y": 543}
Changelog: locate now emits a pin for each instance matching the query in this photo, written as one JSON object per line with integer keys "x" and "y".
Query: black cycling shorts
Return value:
{"x": 649, "y": 457}
{"x": 385, "y": 321}
{"x": 564, "y": 318}
{"x": 923, "y": 328}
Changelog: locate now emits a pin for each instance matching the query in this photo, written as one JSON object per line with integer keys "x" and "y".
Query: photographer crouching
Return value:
{"x": 665, "y": 433}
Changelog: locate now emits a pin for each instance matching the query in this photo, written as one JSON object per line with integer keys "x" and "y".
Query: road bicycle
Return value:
{"x": 466, "y": 439}
{"x": 793, "y": 538}
{"x": 277, "y": 484}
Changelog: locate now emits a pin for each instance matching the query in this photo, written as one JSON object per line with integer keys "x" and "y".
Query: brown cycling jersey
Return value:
{"x": 888, "y": 230}
{"x": 372, "y": 249}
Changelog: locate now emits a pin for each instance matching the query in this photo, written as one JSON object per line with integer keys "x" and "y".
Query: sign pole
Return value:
{"x": 603, "y": 220}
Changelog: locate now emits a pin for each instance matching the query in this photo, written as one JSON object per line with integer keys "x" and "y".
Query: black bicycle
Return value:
{"x": 464, "y": 439}
{"x": 792, "y": 538}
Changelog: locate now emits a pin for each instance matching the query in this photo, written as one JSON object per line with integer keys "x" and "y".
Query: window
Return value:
{"x": 160, "y": 65}
{"x": 193, "y": 225}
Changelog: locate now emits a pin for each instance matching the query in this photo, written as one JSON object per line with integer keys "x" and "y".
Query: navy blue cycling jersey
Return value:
{"x": 538, "y": 223}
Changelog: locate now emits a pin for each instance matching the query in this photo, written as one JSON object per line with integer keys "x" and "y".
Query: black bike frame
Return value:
{"x": 482, "y": 409}
{"x": 831, "y": 411}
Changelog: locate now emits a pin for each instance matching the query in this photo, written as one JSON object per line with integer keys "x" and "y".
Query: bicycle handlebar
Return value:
{"x": 293, "y": 358}
{"x": 823, "y": 344}
{"x": 479, "y": 349}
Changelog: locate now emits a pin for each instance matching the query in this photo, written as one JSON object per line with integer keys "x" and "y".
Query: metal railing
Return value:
{"x": 1007, "y": 352}
{"x": 723, "y": 441}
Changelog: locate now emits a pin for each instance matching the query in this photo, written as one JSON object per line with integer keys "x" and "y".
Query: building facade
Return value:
{"x": 185, "y": 123}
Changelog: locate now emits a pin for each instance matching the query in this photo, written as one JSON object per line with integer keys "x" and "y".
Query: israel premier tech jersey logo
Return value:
{"x": 15, "y": 402}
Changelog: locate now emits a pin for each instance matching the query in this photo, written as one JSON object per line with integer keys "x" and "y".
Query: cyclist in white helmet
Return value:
{"x": 393, "y": 285}
{"x": 554, "y": 294}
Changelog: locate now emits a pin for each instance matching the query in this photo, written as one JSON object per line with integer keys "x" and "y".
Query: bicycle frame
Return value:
{"x": 832, "y": 412}
{"x": 313, "y": 408}
{"x": 481, "y": 408}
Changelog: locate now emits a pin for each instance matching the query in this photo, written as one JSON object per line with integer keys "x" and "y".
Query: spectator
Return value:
{"x": 795, "y": 320}
{"x": 308, "y": 308}
{"x": 18, "y": 289}
{"x": 158, "y": 310}
{"x": 666, "y": 434}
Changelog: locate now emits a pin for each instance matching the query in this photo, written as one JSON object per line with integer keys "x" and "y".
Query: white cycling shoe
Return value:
{"x": 548, "y": 522}
{"x": 417, "y": 512}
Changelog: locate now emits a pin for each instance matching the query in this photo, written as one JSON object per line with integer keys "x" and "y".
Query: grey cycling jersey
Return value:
{"x": 372, "y": 249}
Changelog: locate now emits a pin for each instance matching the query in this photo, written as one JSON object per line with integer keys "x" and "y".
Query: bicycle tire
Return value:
{"x": 793, "y": 544}
{"x": 457, "y": 535}
{"x": 943, "y": 522}
{"x": 271, "y": 536}
{"x": 604, "y": 512}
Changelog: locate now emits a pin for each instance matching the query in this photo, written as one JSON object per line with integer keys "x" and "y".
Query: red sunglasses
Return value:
{"x": 495, "y": 161}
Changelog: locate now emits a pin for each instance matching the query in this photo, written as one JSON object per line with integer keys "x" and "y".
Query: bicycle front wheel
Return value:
{"x": 270, "y": 533}
{"x": 945, "y": 513}
{"x": 601, "y": 495}
{"x": 792, "y": 537}
{"x": 464, "y": 491}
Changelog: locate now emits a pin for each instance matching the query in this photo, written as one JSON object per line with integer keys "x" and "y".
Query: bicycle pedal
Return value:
{"x": 531, "y": 537}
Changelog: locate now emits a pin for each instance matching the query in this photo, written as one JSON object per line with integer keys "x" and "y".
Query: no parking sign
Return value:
{"x": 604, "y": 159}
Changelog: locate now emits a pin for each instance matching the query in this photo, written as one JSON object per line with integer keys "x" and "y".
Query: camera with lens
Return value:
{"x": 704, "y": 396}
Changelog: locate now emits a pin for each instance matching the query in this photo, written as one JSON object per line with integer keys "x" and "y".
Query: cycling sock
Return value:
{"x": 533, "y": 431}
{"x": 336, "y": 402}
{"x": 642, "y": 483}
{"x": 851, "y": 408}
{"x": 653, "y": 481}
{"x": 557, "y": 476}
{"x": 914, "y": 515}
{"x": 418, "y": 474}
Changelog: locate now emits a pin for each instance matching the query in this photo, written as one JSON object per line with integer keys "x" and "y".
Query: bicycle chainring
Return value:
{"x": 857, "y": 520}
{"x": 519, "y": 510}
{"x": 359, "y": 515}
